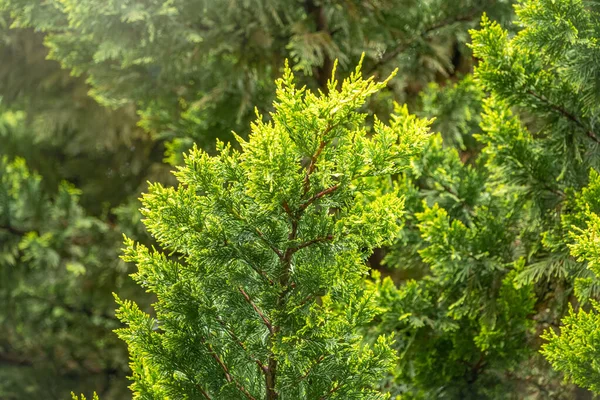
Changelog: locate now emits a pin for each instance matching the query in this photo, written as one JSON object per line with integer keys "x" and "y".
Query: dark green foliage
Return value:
{"x": 191, "y": 71}
{"x": 547, "y": 165}
{"x": 457, "y": 109}
{"x": 65, "y": 134}
{"x": 488, "y": 229}
{"x": 58, "y": 268}
{"x": 60, "y": 245}
{"x": 462, "y": 327}
{"x": 197, "y": 69}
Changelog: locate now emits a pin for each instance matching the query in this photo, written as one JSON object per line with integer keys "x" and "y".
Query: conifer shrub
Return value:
{"x": 260, "y": 280}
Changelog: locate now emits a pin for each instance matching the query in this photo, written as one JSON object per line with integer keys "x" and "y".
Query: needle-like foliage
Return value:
{"x": 262, "y": 293}
{"x": 576, "y": 349}
{"x": 488, "y": 234}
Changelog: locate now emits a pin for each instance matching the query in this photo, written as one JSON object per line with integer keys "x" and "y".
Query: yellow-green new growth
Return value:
{"x": 262, "y": 297}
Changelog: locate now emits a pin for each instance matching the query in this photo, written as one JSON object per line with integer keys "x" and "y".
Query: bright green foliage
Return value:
{"x": 196, "y": 69}
{"x": 83, "y": 397}
{"x": 579, "y": 224}
{"x": 260, "y": 273}
{"x": 533, "y": 74}
{"x": 542, "y": 71}
{"x": 57, "y": 271}
{"x": 265, "y": 296}
{"x": 442, "y": 356}
{"x": 550, "y": 64}
{"x": 463, "y": 327}
{"x": 576, "y": 351}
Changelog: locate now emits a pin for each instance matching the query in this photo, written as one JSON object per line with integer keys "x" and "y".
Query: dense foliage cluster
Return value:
{"x": 339, "y": 245}
{"x": 267, "y": 293}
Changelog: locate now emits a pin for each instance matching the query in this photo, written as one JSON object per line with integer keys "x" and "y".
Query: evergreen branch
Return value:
{"x": 405, "y": 45}
{"x": 332, "y": 391}
{"x": 260, "y": 313}
{"x": 270, "y": 377}
{"x": 315, "y": 156}
{"x": 565, "y": 113}
{"x": 287, "y": 258}
{"x": 237, "y": 340}
{"x": 261, "y": 273}
{"x": 206, "y": 396}
{"x": 284, "y": 280}
{"x": 313, "y": 241}
{"x": 256, "y": 230}
{"x": 258, "y": 271}
{"x": 228, "y": 375}
{"x": 305, "y": 300}
{"x": 318, "y": 196}
{"x": 309, "y": 369}
{"x": 313, "y": 159}
{"x": 291, "y": 237}
{"x": 264, "y": 239}
{"x": 288, "y": 210}
{"x": 14, "y": 230}
{"x": 454, "y": 193}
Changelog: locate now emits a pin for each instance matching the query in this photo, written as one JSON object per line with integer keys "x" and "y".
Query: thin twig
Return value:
{"x": 332, "y": 391}
{"x": 318, "y": 196}
{"x": 313, "y": 241}
{"x": 258, "y": 271}
{"x": 237, "y": 340}
{"x": 288, "y": 210}
{"x": 258, "y": 311}
{"x": 309, "y": 369}
{"x": 591, "y": 134}
{"x": 206, "y": 396}
{"x": 313, "y": 159}
{"x": 228, "y": 375}
{"x": 255, "y": 229}
{"x": 264, "y": 239}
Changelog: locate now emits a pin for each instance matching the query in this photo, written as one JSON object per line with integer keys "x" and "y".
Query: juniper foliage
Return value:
{"x": 575, "y": 349}
{"x": 260, "y": 273}
{"x": 548, "y": 70}
{"x": 265, "y": 295}
{"x": 487, "y": 236}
